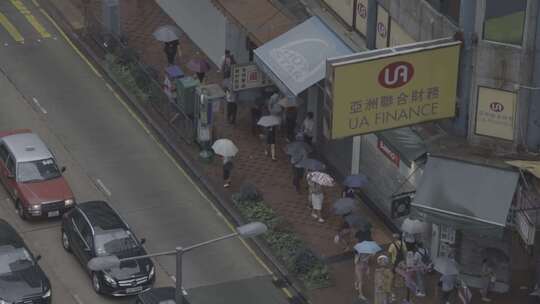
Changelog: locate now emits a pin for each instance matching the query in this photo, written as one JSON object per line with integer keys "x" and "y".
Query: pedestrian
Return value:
{"x": 361, "y": 270}
{"x": 383, "y": 281}
{"x": 489, "y": 278}
{"x": 271, "y": 142}
{"x": 201, "y": 76}
{"x": 227, "y": 168}
{"x": 256, "y": 114}
{"x": 298, "y": 174}
{"x": 343, "y": 235}
{"x": 410, "y": 240}
{"x": 232, "y": 106}
{"x": 308, "y": 128}
{"x": 447, "y": 286}
{"x": 423, "y": 264}
{"x": 397, "y": 250}
{"x": 227, "y": 61}
{"x": 416, "y": 269}
{"x": 348, "y": 192}
{"x": 317, "y": 198}
{"x": 272, "y": 101}
{"x": 171, "y": 51}
{"x": 291, "y": 114}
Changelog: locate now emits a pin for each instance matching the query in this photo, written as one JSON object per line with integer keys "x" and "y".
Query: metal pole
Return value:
{"x": 179, "y": 293}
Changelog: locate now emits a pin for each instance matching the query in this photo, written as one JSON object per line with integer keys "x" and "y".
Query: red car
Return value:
{"x": 31, "y": 176}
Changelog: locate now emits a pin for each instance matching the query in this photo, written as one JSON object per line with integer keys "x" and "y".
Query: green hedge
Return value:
{"x": 297, "y": 258}
{"x": 129, "y": 75}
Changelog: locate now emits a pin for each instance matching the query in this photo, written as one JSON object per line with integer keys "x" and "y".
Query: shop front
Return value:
{"x": 467, "y": 206}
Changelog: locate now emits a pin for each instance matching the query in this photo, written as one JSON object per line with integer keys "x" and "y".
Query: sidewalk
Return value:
{"x": 273, "y": 179}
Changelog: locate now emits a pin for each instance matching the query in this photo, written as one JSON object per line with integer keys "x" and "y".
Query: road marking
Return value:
{"x": 13, "y": 32}
{"x": 102, "y": 187}
{"x": 42, "y": 109}
{"x": 77, "y": 299}
{"x": 30, "y": 18}
{"x": 70, "y": 43}
{"x": 164, "y": 150}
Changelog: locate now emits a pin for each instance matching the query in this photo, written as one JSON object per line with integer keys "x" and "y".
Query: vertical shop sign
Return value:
{"x": 495, "y": 113}
{"x": 383, "y": 30}
{"x": 361, "y": 12}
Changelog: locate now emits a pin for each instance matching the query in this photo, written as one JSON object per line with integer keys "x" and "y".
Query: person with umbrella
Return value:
{"x": 298, "y": 171}
{"x": 344, "y": 207}
{"x": 200, "y": 66}
{"x": 270, "y": 122}
{"x": 351, "y": 183}
{"x": 169, "y": 35}
{"x": 226, "y": 148}
{"x": 316, "y": 180}
{"x": 227, "y": 61}
{"x": 448, "y": 269}
{"x": 363, "y": 253}
{"x": 291, "y": 115}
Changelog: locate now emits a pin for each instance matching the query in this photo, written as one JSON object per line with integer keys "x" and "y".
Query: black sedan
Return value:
{"x": 21, "y": 278}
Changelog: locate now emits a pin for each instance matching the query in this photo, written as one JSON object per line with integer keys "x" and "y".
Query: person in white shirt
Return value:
{"x": 232, "y": 107}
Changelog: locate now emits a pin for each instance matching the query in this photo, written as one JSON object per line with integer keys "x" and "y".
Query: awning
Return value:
{"x": 297, "y": 59}
{"x": 530, "y": 166}
{"x": 261, "y": 20}
{"x": 466, "y": 192}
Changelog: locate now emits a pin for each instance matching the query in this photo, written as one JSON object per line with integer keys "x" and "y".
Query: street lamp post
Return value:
{"x": 246, "y": 231}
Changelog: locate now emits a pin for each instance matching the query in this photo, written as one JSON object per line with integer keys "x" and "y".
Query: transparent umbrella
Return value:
{"x": 167, "y": 33}
{"x": 413, "y": 226}
{"x": 269, "y": 121}
{"x": 224, "y": 147}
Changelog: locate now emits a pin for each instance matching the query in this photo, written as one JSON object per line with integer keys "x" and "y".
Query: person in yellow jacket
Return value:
{"x": 397, "y": 251}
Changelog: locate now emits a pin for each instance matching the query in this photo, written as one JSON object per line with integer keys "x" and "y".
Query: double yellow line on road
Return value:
{"x": 12, "y": 30}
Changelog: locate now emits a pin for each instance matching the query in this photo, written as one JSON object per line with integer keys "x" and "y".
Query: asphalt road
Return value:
{"x": 46, "y": 86}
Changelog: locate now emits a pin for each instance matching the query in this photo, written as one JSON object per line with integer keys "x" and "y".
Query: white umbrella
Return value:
{"x": 368, "y": 247}
{"x": 167, "y": 33}
{"x": 321, "y": 178}
{"x": 269, "y": 121}
{"x": 413, "y": 226}
{"x": 445, "y": 266}
{"x": 224, "y": 147}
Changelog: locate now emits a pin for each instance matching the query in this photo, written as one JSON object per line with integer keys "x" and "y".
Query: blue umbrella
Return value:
{"x": 367, "y": 247}
{"x": 344, "y": 206}
{"x": 297, "y": 146}
{"x": 311, "y": 164}
{"x": 356, "y": 180}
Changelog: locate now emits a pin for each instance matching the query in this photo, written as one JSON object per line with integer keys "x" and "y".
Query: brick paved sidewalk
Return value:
{"x": 273, "y": 179}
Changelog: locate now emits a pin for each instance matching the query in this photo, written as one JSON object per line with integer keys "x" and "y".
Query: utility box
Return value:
{"x": 186, "y": 99}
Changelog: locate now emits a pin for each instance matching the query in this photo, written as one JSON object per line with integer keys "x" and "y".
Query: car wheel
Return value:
{"x": 65, "y": 242}
{"x": 96, "y": 284}
{"x": 20, "y": 211}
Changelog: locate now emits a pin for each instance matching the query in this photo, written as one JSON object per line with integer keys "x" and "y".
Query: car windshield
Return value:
{"x": 14, "y": 259}
{"x": 38, "y": 170}
{"x": 115, "y": 242}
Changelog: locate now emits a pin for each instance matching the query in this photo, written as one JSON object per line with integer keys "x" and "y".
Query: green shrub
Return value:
{"x": 285, "y": 245}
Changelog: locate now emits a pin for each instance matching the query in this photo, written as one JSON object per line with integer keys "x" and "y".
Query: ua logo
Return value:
{"x": 396, "y": 74}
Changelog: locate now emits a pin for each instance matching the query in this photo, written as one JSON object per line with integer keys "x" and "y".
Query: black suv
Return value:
{"x": 94, "y": 229}
{"x": 21, "y": 278}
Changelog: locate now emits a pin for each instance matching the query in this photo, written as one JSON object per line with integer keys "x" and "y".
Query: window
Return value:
{"x": 449, "y": 8}
{"x": 38, "y": 170}
{"x": 11, "y": 165}
{"x": 3, "y": 152}
{"x": 504, "y": 20}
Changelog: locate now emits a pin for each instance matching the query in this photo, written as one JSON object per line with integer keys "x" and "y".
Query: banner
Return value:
{"x": 394, "y": 90}
{"x": 495, "y": 113}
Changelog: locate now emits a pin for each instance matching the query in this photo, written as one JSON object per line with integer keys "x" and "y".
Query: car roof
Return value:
{"x": 157, "y": 295}
{"x": 27, "y": 147}
{"x": 102, "y": 215}
{"x": 8, "y": 235}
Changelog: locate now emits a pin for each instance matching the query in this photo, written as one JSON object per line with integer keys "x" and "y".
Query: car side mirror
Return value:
{"x": 143, "y": 240}
{"x": 10, "y": 176}
{"x": 38, "y": 257}
{"x": 63, "y": 169}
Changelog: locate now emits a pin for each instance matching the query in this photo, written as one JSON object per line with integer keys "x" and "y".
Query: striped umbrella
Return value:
{"x": 321, "y": 178}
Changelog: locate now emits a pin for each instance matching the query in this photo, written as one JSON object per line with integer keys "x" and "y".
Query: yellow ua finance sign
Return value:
{"x": 395, "y": 90}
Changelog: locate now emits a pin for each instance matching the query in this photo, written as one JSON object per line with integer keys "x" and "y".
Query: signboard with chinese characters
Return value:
{"x": 361, "y": 16}
{"x": 393, "y": 90}
{"x": 248, "y": 76}
{"x": 344, "y": 8}
{"x": 495, "y": 113}
{"x": 383, "y": 30}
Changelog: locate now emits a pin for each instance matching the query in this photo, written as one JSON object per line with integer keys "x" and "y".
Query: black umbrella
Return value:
{"x": 297, "y": 146}
{"x": 311, "y": 164}
{"x": 357, "y": 221}
{"x": 344, "y": 206}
